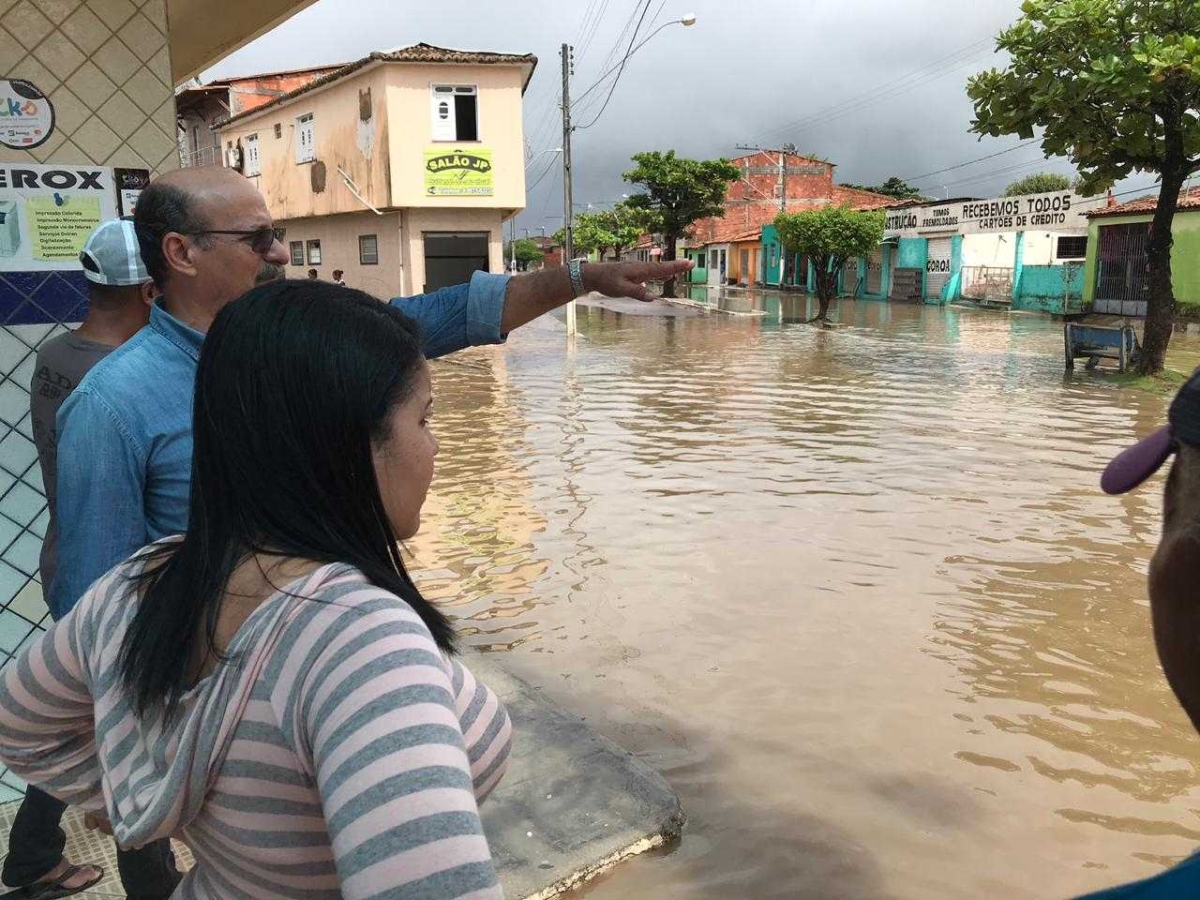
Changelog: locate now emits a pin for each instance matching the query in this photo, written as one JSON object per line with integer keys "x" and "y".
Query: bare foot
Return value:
{"x": 78, "y": 879}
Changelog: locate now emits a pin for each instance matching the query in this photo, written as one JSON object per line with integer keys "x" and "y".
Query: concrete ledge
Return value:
{"x": 573, "y": 804}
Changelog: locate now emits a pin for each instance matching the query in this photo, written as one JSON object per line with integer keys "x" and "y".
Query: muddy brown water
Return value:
{"x": 854, "y": 592}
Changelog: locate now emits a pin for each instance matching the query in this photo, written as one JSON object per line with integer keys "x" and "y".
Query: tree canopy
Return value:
{"x": 526, "y": 251}
{"x": 893, "y": 187}
{"x": 676, "y": 193}
{"x": 1114, "y": 85}
{"x": 1039, "y": 183}
{"x": 614, "y": 229}
{"x": 829, "y": 236}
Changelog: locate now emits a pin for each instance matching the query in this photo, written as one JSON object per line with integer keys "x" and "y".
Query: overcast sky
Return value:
{"x": 875, "y": 86}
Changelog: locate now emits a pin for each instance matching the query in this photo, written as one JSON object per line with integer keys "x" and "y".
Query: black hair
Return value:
{"x": 312, "y": 274}
{"x": 294, "y": 387}
{"x": 161, "y": 209}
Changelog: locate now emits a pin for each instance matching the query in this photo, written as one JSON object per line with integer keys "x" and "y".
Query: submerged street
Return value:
{"x": 854, "y": 592}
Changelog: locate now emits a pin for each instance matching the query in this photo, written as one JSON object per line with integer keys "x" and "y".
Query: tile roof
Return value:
{"x": 1188, "y": 199}
{"x": 417, "y": 53}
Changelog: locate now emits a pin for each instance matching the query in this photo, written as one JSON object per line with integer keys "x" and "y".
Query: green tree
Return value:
{"x": 1115, "y": 84}
{"x": 677, "y": 193}
{"x": 527, "y": 252}
{"x": 893, "y": 187}
{"x": 614, "y": 229}
{"x": 1039, "y": 183}
{"x": 830, "y": 236}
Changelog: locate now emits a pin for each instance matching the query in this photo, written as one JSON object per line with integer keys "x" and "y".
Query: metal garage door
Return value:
{"x": 875, "y": 271}
{"x": 937, "y": 267}
{"x": 452, "y": 258}
{"x": 850, "y": 277}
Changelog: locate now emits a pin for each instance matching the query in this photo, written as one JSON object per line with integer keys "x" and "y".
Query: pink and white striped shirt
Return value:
{"x": 337, "y": 754}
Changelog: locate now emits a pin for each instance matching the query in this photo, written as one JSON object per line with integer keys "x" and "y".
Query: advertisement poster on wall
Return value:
{"x": 1055, "y": 211}
{"x": 130, "y": 184}
{"x": 26, "y": 114}
{"x": 47, "y": 212}
{"x": 459, "y": 173}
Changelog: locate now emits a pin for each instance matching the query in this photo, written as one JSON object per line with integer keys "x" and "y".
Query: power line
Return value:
{"x": 915, "y": 78}
{"x": 538, "y": 180}
{"x": 628, "y": 52}
{"x": 969, "y": 162}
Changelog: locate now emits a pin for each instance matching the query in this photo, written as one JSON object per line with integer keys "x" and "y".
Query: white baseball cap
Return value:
{"x": 111, "y": 256}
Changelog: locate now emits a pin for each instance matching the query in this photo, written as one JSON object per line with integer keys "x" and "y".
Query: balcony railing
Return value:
{"x": 205, "y": 156}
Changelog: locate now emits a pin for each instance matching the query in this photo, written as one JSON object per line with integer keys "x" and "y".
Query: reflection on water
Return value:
{"x": 852, "y": 590}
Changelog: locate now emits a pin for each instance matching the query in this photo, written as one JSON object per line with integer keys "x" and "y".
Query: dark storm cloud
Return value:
{"x": 876, "y": 87}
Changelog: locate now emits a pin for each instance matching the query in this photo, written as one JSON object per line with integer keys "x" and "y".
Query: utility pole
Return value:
{"x": 568, "y": 58}
{"x": 512, "y": 244}
{"x": 783, "y": 152}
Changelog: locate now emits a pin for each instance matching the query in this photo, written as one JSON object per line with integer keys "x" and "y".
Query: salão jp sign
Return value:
{"x": 459, "y": 173}
{"x": 1055, "y": 211}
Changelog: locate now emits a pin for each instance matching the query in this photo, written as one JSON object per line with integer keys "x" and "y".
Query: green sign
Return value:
{"x": 459, "y": 173}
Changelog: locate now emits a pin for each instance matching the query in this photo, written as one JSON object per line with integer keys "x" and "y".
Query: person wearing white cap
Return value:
{"x": 119, "y": 295}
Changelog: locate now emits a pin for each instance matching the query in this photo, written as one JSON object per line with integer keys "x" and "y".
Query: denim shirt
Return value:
{"x": 125, "y": 434}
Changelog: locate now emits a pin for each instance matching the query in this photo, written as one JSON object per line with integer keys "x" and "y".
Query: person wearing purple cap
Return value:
{"x": 1174, "y": 612}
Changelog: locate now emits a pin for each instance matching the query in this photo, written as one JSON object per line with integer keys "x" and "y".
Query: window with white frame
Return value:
{"x": 455, "y": 112}
{"x": 250, "y": 164}
{"x": 306, "y": 150}
{"x": 314, "y": 253}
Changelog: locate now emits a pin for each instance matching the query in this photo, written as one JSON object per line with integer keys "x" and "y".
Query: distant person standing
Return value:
{"x": 119, "y": 295}
{"x": 337, "y": 277}
{"x": 312, "y": 274}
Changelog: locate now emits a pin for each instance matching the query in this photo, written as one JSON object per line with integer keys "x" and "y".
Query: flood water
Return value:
{"x": 854, "y": 592}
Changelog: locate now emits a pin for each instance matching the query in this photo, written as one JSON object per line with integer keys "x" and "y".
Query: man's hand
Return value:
{"x": 528, "y": 296}
{"x": 629, "y": 279}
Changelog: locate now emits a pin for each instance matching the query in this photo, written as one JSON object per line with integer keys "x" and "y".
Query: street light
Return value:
{"x": 568, "y": 205}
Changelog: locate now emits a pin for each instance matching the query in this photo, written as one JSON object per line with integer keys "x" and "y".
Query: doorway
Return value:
{"x": 453, "y": 257}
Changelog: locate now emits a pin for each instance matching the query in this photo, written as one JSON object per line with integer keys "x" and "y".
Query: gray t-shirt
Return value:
{"x": 61, "y": 364}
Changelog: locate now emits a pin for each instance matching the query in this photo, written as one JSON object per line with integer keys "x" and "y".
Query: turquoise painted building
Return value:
{"x": 698, "y": 275}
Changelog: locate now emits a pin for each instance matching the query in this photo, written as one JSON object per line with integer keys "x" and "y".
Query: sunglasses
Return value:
{"x": 261, "y": 240}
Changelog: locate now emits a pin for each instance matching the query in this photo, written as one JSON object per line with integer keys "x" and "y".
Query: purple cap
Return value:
{"x": 1137, "y": 463}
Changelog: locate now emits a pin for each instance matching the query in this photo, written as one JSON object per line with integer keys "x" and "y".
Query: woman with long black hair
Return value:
{"x": 271, "y": 686}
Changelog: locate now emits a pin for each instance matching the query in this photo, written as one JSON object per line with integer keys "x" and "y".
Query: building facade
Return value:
{"x": 1115, "y": 279}
{"x": 745, "y": 234}
{"x": 399, "y": 169}
{"x": 201, "y": 108}
{"x": 1024, "y": 252}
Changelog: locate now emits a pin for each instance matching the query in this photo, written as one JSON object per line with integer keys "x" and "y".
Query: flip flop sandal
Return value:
{"x": 53, "y": 890}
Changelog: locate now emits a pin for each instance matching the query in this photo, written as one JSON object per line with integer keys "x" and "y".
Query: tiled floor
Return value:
{"x": 85, "y": 846}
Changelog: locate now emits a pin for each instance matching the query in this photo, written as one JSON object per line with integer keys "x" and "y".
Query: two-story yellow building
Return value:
{"x": 400, "y": 169}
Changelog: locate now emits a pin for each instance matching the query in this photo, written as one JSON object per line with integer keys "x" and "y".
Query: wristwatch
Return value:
{"x": 575, "y": 270}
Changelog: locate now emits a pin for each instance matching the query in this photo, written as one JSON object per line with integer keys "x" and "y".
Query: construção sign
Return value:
{"x": 47, "y": 212}
{"x": 459, "y": 173}
{"x": 1055, "y": 211}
